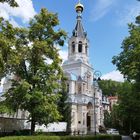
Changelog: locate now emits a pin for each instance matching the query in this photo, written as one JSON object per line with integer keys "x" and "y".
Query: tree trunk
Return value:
{"x": 32, "y": 126}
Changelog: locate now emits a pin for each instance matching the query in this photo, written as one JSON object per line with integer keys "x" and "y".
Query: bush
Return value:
{"x": 25, "y": 132}
{"x": 98, "y": 137}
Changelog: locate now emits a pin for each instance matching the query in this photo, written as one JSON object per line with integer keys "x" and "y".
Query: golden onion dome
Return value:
{"x": 79, "y": 7}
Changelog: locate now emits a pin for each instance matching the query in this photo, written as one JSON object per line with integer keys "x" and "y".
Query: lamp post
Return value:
{"x": 94, "y": 114}
{"x": 97, "y": 75}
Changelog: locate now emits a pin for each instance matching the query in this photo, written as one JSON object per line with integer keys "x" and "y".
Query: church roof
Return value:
{"x": 79, "y": 30}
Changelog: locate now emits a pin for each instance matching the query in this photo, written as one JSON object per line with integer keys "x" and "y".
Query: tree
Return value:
{"x": 34, "y": 63}
{"x": 107, "y": 119}
{"x": 3, "y": 45}
{"x": 7, "y": 41}
{"x": 109, "y": 87}
{"x": 129, "y": 108}
{"x": 12, "y": 3}
{"x": 128, "y": 61}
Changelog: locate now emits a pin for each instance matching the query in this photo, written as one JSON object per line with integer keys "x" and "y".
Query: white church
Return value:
{"x": 84, "y": 94}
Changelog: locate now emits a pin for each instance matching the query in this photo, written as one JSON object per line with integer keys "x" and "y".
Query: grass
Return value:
{"x": 98, "y": 137}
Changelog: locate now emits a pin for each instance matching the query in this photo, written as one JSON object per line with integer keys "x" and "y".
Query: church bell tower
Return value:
{"x": 78, "y": 43}
{"x": 81, "y": 92}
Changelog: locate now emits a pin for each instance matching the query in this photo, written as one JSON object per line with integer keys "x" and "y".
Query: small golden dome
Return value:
{"x": 79, "y": 7}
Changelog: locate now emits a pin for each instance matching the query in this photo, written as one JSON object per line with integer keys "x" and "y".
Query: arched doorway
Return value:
{"x": 88, "y": 122}
{"x": 89, "y": 116}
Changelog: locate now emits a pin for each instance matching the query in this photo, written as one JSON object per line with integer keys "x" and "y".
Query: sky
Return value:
{"x": 105, "y": 22}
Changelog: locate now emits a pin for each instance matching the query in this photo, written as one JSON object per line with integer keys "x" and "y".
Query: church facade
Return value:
{"x": 84, "y": 93}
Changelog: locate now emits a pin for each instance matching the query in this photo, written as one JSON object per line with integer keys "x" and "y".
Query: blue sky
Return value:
{"x": 104, "y": 20}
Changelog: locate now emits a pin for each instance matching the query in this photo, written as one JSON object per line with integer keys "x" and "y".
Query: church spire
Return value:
{"x": 78, "y": 43}
{"x": 79, "y": 30}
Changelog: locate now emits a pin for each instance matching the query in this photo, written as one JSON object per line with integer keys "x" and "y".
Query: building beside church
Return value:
{"x": 85, "y": 95}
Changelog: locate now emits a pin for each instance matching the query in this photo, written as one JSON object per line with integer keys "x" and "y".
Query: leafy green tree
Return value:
{"x": 34, "y": 62}
{"x": 3, "y": 46}
{"x": 107, "y": 119}
{"x": 125, "y": 115}
{"x": 7, "y": 41}
{"x": 112, "y": 119}
{"x": 12, "y": 3}
{"x": 129, "y": 107}
{"x": 109, "y": 87}
{"x": 128, "y": 61}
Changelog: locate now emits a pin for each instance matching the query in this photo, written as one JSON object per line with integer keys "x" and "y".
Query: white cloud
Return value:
{"x": 128, "y": 14}
{"x": 114, "y": 75}
{"x": 63, "y": 54}
{"x": 101, "y": 8}
{"x": 25, "y": 11}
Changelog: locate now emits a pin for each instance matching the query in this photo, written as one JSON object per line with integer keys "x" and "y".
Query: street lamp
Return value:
{"x": 97, "y": 75}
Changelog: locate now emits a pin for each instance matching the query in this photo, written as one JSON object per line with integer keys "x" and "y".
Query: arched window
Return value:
{"x": 80, "y": 47}
{"x": 79, "y": 88}
{"x": 73, "y": 47}
{"x": 86, "y": 49}
{"x": 67, "y": 87}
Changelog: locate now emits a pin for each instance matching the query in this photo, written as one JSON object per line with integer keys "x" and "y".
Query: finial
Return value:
{"x": 79, "y": 7}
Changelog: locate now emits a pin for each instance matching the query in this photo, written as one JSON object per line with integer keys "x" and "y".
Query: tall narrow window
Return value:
{"x": 73, "y": 118}
{"x": 83, "y": 87}
{"x": 86, "y": 49}
{"x": 83, "y": 118}
{"x": 73, "y": 47}
{"x": 80, "y": 47}
{"x": 67, "y": 87}
{"x": 79, "y": 88}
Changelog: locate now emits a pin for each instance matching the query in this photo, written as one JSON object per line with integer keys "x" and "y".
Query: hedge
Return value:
{"x": 98, "y": 137}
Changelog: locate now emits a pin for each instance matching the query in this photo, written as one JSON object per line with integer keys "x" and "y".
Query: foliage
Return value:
{"x": 129, "y": 108}
{"x": 63, "y": 106}
{"x": 12, "y": 3}
{"x": 5, "y": 109}
{"x": 112, "y": 119}
{"x": 107, "y": 119}
{"x": 125, "y": 116}
{"x": 109, "y": 87}
{"x": 128, "y": 61}
{"x": 7, "y": 39}
{"x": 31, "y": 58}
{"x": 99, "y": 137}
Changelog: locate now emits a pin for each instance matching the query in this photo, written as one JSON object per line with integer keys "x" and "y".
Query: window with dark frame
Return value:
{"x": 80, "y": 47}
{"x": 73, "y": 47}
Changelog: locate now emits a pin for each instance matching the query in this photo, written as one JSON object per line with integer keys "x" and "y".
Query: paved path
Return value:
{"x": 126, "y": 138}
